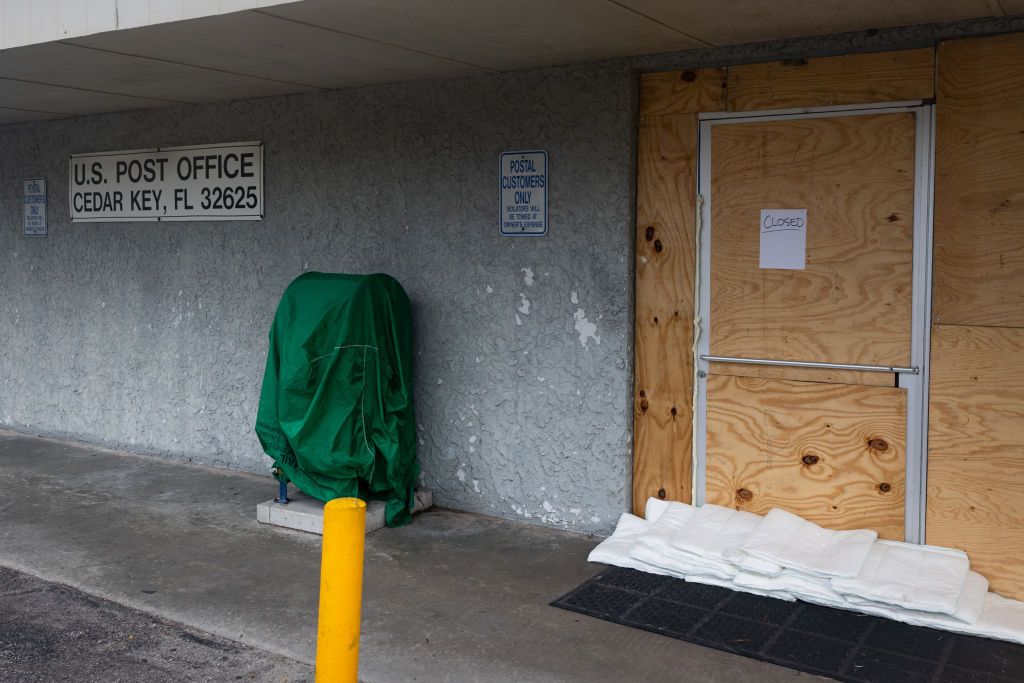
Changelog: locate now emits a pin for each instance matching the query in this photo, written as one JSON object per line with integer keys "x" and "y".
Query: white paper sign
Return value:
{"x": 34, "y": 201}
{"x": 204, "y": 182}
{"x": 524, "y": 193}
{"x": 784, "y": 238}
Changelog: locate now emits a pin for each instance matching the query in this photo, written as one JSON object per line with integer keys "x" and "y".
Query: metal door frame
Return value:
{"x": 914, "y": 378}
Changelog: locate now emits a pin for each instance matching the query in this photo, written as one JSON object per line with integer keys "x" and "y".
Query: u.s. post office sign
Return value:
{"x": 199, "y": 183}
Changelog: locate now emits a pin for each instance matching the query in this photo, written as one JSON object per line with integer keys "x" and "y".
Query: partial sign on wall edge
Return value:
{"x": 34, "y": 206}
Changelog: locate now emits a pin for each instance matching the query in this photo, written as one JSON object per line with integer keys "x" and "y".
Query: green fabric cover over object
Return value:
{"x": 336, "y": 409}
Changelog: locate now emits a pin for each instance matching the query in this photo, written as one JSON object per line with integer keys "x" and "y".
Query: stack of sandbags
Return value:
{"x": 784, "y": 556}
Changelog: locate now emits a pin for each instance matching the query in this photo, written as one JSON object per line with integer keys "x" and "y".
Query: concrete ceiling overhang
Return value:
{"x": 326, "y": 44}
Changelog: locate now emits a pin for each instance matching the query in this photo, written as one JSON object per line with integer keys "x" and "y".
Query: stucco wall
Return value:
{"x": 153, "y": 336}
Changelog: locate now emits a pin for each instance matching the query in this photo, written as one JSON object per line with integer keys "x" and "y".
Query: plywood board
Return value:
{"x": 682, "y": 92}
{"x": 832, "y": 453}
{"x": 855, "y": 177}
{"x": 826, "y": 81}
{"x": 977, "y": 391}
{"x": 665, "y": 251}
{"x": 976, "y": 450}
{"x": 970, "y": 507}
{"x": 979, "y": 183}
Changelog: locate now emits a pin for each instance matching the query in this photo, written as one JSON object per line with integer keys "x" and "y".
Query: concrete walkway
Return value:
{"x": 451, "y": 597}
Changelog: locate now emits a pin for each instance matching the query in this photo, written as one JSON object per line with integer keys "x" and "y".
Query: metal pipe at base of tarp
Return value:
{"x": 282, "y": 486}
{"x": 341, "y": 591}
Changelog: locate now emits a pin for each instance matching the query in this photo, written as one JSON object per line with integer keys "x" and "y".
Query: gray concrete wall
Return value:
{"x": 153, "y": 337}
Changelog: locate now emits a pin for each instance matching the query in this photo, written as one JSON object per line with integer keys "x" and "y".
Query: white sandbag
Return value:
{"x": 713, "y": 530}
{"x": 969, "y": 605}
{"x": 915, "y": 577}
{"x": 654, "y": 508}
{"x": 978, "y": 612}
{"x": 661, "y": 530}
{"x": 655, "y": 547}
{"x": 801, "y": 586}
{"x": 1001, "y": 618}
{"x": 712, "y": 581}
{"x": 614, "y": 550}
{"x": 796, "y": 543}
{"x": 753, "y": 565}
{"x": 675, "y": 566}
{"x": 624, "y": 549}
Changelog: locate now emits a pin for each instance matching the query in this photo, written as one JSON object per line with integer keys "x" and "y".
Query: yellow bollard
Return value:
{"x": 341, "y": 591}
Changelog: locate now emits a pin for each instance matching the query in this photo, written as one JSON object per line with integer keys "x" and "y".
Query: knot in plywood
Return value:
{"x": 880, "y": 445}
{"x": 770, "y": 438}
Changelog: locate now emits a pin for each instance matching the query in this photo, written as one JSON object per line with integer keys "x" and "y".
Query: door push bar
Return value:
{"x": 811, "y": 364}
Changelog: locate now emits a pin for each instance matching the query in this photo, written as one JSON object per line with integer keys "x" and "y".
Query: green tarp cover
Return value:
{"x": 336, "y": 410}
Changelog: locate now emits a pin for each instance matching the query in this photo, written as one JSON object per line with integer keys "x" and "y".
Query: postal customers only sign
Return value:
{"x": 204, "y": 182}
{"x": 524, "y": 193}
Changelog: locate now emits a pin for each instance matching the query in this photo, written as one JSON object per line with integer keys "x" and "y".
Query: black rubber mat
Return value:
{"x": 820, "y": 640}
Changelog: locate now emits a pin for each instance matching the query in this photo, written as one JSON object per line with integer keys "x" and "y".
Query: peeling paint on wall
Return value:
{"x": 585, "y": 328}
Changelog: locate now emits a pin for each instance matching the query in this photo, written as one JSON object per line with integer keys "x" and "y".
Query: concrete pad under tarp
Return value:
{"x": 305, "y": 513}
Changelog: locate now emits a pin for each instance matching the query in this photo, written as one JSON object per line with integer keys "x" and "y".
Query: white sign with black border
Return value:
{"x": 222, "y": 182}
{"x": 524, "y": 193}
{"x": 34, "y": 201}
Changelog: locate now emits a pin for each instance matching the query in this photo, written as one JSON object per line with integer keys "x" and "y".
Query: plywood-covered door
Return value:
{"x": 827, "y": 443}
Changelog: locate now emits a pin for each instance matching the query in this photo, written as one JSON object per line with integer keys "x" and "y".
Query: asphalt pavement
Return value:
{"x": 51, "y": 632}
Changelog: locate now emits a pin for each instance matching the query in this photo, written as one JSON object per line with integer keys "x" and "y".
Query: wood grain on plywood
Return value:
{"x": 682, "y": 92}
{"x": 972, "y": 506}
{"x": 855, "y": 177}
{"x": 976, "y": 450}
{"x": 977, "y": 392}
{"x": 832, "y": 453}
{"x": 979, "y": 183}
{"x": 825, "y": 81}
{"x": 664, "y": 308}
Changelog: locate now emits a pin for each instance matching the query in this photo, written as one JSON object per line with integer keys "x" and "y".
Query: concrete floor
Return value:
{"x": 451, "y": 597}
